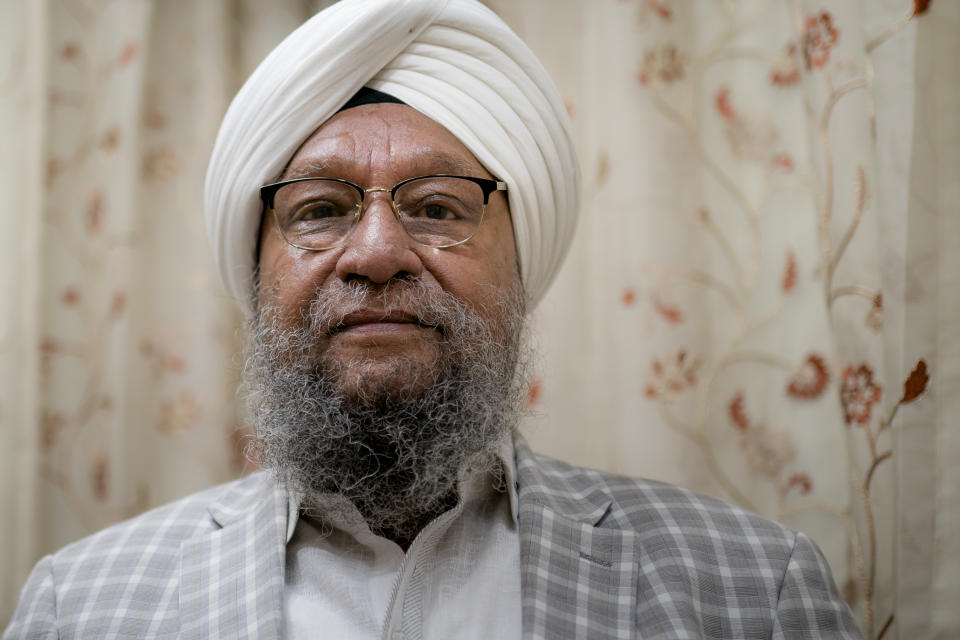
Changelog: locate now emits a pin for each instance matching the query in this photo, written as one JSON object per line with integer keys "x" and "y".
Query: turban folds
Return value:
{"x": 453, "y": 60}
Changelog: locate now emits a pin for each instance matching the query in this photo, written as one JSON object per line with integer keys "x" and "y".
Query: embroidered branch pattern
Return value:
{"x": 674, "y": 80}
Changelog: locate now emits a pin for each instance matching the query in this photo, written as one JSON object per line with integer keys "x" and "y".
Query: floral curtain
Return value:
{"x": 762, "y": 302}
{"x": 118, "y": 345}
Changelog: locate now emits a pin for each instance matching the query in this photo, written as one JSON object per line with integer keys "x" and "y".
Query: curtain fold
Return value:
{"x": 22, "y": 88}
{"x": 762, "y": 302}
{"x": 928, "y": 443}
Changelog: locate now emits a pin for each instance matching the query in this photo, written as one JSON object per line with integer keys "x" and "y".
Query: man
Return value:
{"x": 390, "y": 190}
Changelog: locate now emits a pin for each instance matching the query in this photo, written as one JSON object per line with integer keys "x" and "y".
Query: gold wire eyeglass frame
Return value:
{"x": 269, "y": 191}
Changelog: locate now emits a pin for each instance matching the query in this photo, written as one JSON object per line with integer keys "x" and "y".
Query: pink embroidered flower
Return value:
{"x": 800, "y": 481}
{"x": 671, "y": 378}
{"x": 164, "y": 360}
{"x": 69, "y": 297}
{"x": 50, "y": 425}
{"x": 786, "y": 72}
{"x": 767, "y": 450}
{"x": 736, "y": 412}
{"x": 782, "y": 161}
{"x": 69, "y": 51}
{"x": 154, "y": 119}
{"x": 54, "y": 169}
{"x": 751, "y": 136}
{"x": 789, "y": 280}
{"x": 160, "y": 163}
{"x": 173, "y": 363}
{"x": 858, "y": 394}
{"x": 874, "y": 320}
{"x": 661, "y": 9}
{"x": 179, "y": 414}
{"x": 664, "y": 64}
{"x": 49, "y": 347}
{"x": 669, "y": 312}
{"x": 110, "y": 140}
{"x": 128, "y": 54}
{"x": 811, "y": 380}
{"x": 721, "y": 102}
{"x": 819, "y": 37}
{"x": 95, "y": 211}
{"x": 118, "y": 303}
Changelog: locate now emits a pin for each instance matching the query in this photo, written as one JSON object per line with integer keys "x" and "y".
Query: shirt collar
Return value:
{"x": 508, "y": 458}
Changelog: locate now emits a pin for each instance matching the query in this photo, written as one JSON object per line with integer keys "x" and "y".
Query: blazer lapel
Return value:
{"x": 578, "y": 579}
{"x": 231, "y": 579}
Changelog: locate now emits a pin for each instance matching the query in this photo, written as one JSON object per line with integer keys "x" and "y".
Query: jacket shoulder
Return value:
{"x": 723, "y": 567}
{"x": 164, "y": 526}
{"x": 654, "y": 508}
{"x": 124, "y": 577}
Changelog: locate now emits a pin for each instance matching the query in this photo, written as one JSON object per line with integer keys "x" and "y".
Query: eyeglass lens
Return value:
{"x": 435, "y": 211}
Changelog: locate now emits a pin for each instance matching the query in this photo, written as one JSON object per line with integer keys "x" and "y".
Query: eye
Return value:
{"x": 434, "y": 207}
{"x": 319, "y": 210}
{"x": 439, "y": 201}
{"x": 438, "y": 212}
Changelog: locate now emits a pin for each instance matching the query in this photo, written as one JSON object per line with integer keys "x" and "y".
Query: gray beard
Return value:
{"x": 395, "y": 451}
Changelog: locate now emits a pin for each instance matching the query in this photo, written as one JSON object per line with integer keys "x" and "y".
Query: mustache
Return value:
{"x": 341, "y": 304}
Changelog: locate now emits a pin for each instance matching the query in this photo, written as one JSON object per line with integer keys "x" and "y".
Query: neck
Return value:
{"x": 407, "y": 530}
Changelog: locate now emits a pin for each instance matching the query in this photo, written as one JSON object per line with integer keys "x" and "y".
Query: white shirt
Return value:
{"x": 460, "y": 578}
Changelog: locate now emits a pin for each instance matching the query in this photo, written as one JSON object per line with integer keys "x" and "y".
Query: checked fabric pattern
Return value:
{"x": 602, "y": 556}
{"x": 207, "y": 566}
{"x": 605, "y": 556}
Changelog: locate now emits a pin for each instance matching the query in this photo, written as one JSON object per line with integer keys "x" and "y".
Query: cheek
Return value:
{"x": 478, "y": 276}
{"x": 500, "y": 254}
{"x": 289, "y": 278}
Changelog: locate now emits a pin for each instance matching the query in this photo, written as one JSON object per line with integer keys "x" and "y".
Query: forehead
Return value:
{"x": 370, "y": 140}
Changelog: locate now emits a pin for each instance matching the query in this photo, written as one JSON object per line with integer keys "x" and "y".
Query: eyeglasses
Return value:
{"x": 439, "y": 211}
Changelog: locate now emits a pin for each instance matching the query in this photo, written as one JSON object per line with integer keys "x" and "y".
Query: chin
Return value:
{"x": 373, "y": 380}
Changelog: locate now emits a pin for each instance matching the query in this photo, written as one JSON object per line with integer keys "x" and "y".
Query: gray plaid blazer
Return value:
{"x": 602, "y": 556}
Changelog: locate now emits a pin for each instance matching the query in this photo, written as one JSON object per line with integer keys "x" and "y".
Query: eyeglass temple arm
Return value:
{"x": 489, "y": 186}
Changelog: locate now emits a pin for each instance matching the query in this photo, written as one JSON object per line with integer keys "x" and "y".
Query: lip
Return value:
{"x": 368, "y": 321}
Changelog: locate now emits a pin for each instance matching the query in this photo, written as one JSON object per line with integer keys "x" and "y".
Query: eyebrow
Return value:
{"x": 309, "y": 170}
{"x": 426, "y": 164}
{"x": 437, "y": 162}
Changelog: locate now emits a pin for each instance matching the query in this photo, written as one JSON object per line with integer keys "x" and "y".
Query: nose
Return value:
{"x": 378, "y": 249}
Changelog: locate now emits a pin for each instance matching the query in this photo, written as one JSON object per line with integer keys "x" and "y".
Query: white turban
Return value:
{"x": 453, "y": 60}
